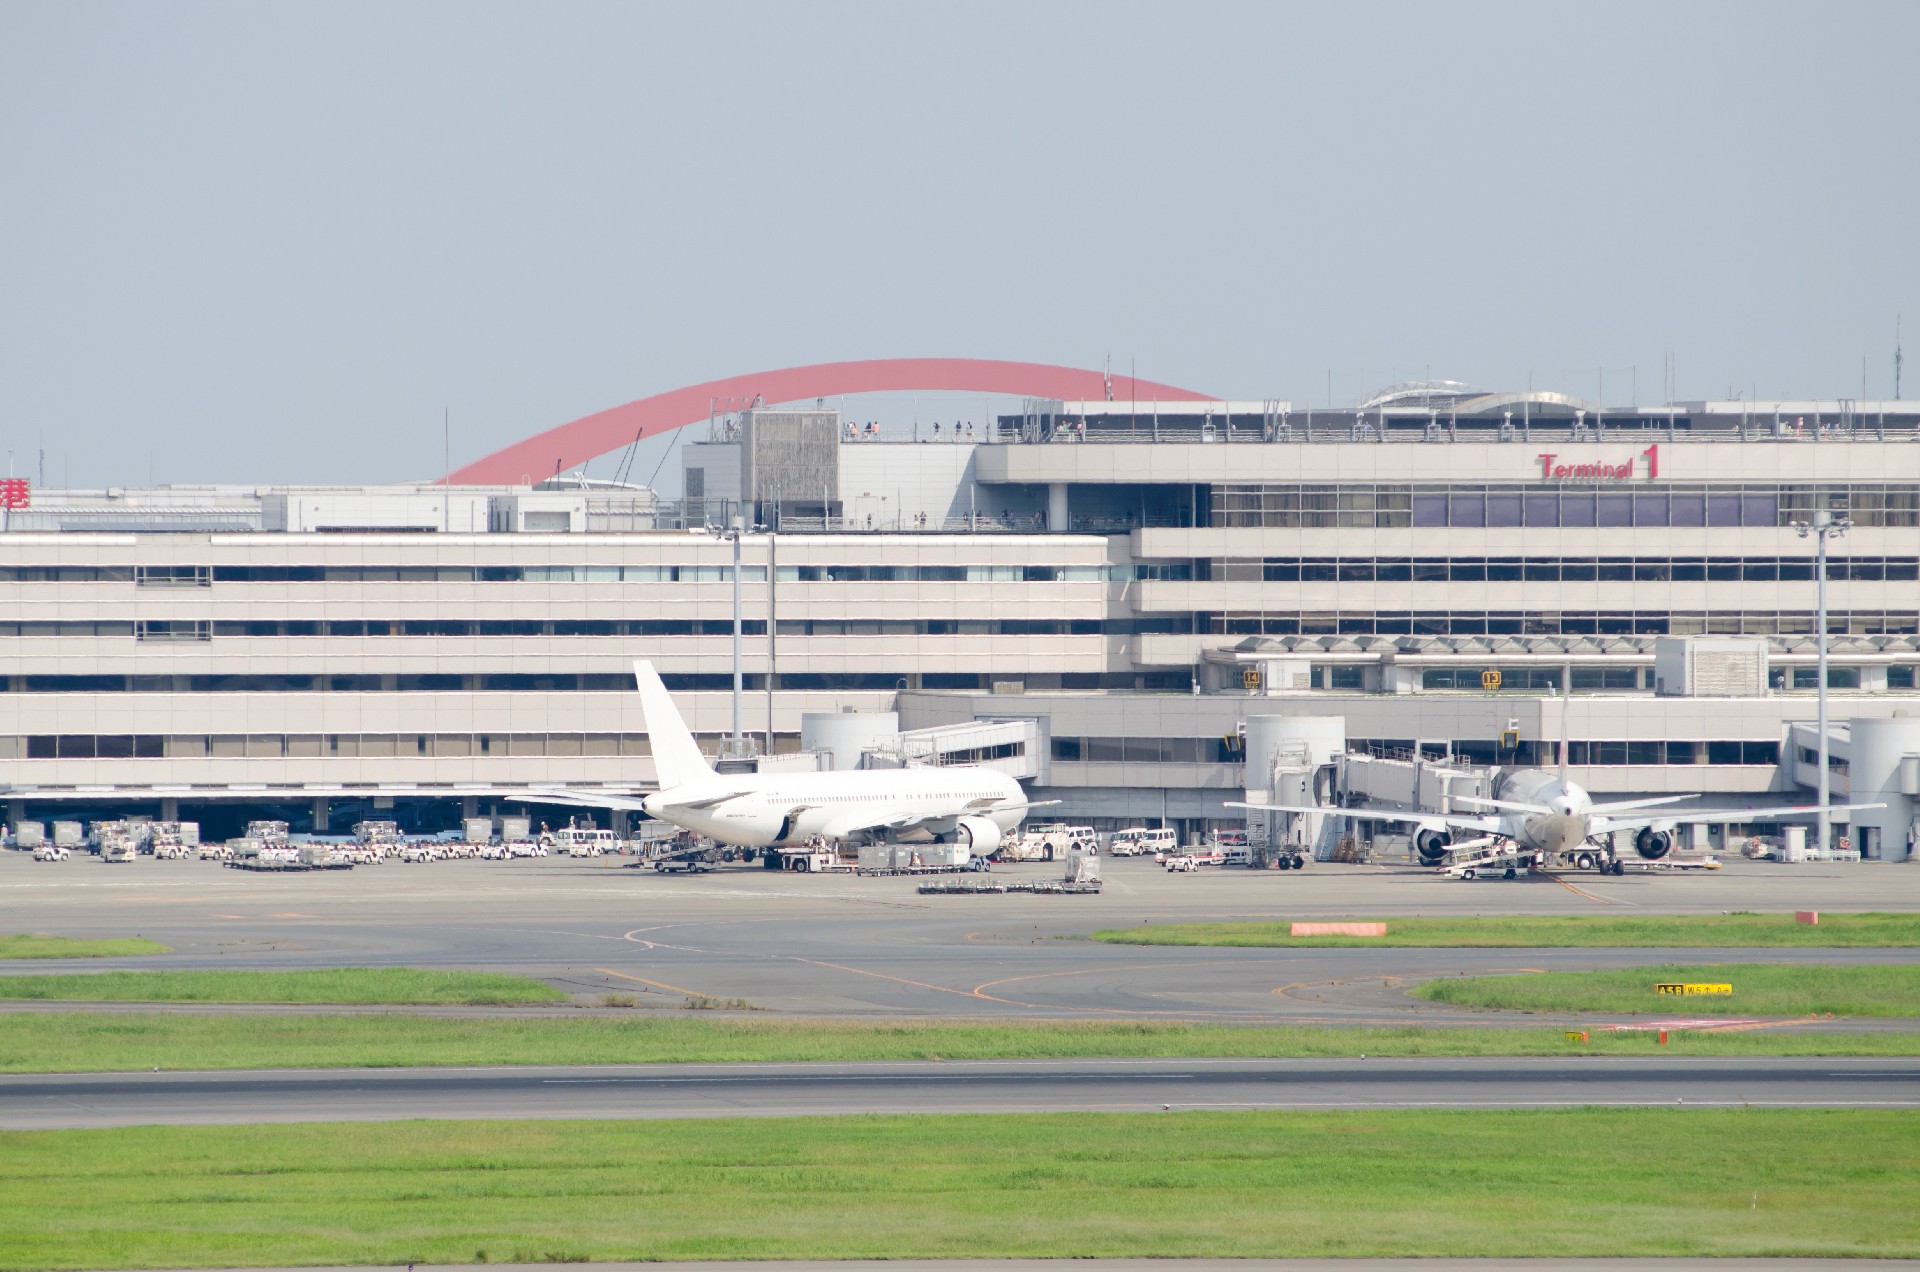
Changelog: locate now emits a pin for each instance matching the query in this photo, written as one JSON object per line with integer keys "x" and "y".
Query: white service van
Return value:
{"x": 1138, "y": 841}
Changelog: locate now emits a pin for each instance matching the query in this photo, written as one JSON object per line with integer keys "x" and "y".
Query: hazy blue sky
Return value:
{"x": 270, "y": 242}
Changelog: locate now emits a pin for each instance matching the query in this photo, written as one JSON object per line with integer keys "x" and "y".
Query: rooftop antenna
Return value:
{"x": 1899, "y": 358}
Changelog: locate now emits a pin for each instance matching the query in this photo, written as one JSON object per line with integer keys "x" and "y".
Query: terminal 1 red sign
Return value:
{"x": 15, "y": 492}
{"x": 1644, "y": 466}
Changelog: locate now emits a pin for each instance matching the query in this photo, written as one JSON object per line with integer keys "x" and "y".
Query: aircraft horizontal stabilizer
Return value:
{"x": 711, "y": 801}
{"x": 1628, "y": 805}
{"x": 1511, "y": 805}
{"x": 577, "y": 799}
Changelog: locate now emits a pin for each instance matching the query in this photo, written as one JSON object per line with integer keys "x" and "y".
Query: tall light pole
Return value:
{"x": 773, "y": 596}
{"x": 736, "y": 745}
{"x": 739, "y": 679}
{"x": 1823, "y": 526}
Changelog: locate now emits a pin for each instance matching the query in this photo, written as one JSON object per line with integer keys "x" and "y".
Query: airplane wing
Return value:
{"x": 1698, "y": 817}
{"x": 1485, "y": 825}
{"x": 913, "y": 819}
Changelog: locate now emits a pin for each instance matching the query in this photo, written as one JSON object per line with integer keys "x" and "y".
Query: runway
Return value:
{"x": 39, "y": 1102}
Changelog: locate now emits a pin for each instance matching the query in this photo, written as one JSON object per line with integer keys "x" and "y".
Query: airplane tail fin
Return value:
{"x": 676, "y": 756}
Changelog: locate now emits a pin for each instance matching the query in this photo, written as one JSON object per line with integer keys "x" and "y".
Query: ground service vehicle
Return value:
{"x": 582, "y": 841}
{"x": 51, "y": 852}
{"x": 1049, "y": 841}
{"x": 1137, "y": 841}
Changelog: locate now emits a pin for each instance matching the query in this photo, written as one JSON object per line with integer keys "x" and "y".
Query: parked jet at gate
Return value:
{"x": 1541, "y": 815}
{"x": 961, "y": 803}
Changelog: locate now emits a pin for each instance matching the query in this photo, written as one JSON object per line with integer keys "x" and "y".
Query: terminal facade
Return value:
{"x": 1448, "y": 572}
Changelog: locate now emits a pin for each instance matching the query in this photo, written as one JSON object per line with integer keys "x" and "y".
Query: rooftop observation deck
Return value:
{"x": 1425, "y": 415}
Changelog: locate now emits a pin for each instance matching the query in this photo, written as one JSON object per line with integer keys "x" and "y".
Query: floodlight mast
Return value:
{"x": 736, "y": 746}
{"x": 1823, "y": 526}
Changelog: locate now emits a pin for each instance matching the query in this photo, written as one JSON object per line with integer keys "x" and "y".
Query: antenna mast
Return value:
{"x": 1899, "y": 358}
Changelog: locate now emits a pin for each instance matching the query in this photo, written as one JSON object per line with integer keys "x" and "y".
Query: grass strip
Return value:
{"x": 1541, "y": 931}
{"x": 1516, "y": 1184}
{"x": 80, "y": 1042}
{"x": 36, "y": 945}
{"x": 344, "y": 985}
{"x": 1758, "y": 990}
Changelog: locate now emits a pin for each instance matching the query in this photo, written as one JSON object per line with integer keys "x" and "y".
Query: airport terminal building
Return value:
{"x": 1097, "y": 595}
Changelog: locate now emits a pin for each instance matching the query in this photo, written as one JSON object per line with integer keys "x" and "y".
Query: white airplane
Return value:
{"x": 962, "y": 803}
{"x": 1542, "y": 815}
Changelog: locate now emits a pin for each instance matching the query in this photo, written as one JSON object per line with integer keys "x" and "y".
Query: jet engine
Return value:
{"x": 1432, "y": 844}
{"x": 1653, "y": 844}
{"x": 980, "y": 834}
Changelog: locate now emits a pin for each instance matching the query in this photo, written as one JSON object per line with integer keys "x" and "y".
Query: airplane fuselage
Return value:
{"x": 775, "y": 809}
{"x": 1564, "y": 829}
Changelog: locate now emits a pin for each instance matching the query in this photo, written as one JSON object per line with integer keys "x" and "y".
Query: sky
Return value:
{"x": 292, "y": 242}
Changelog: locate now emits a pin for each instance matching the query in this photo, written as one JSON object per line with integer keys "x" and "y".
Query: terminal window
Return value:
{"x": 1572, "y": 505}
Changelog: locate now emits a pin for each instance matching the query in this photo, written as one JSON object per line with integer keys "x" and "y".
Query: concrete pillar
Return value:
{"x": 622, "y": 823}
{"x": 320, "y": 816}
{"x": 1057, "y": 507}
{"x": 169, "y": 808}
{"x": 469, "y": 806}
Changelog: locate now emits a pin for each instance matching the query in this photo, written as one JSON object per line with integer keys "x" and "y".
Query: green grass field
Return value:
{"x": 34, "y": 945}
{"x": 1758, "y": 990}
{"x": 1542, "y": 931}
{"x": 71, "y": 1042}
{"x": 1585, "y": 1183}
{"x": 346, "y": 985}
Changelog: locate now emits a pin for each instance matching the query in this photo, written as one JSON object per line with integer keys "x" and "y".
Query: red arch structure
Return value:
{"x": 544, "y": 454}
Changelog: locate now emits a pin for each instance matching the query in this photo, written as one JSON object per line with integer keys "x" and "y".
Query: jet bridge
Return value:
{"x": 1010, "y": 746}
{"x": 1295, "y": 774}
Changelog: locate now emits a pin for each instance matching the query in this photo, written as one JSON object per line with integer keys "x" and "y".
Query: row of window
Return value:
{"x": 1226, "y": 750}
{"x": 1479, "y": 623}
{"x": 179, "y": 629}
{"x": 207, "y": 575}
{"x": 141, "y": 746}
{"x": 1797, "y": 569}
{"x": 1514, "y": 505}
{"x": 1527, "y": 679}
{"x": 1473, "y": 623}
{"x": 582, "y": 682}
{"x": 1535, "y": 753}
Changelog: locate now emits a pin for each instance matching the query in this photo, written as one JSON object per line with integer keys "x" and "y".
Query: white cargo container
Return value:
{"x": 29, "y": 834}
{"x": 476, "y": 830}
{"x": 944, "y": 856}
{"x": 68, "y": 834}
{"x": 515, "y": 829}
